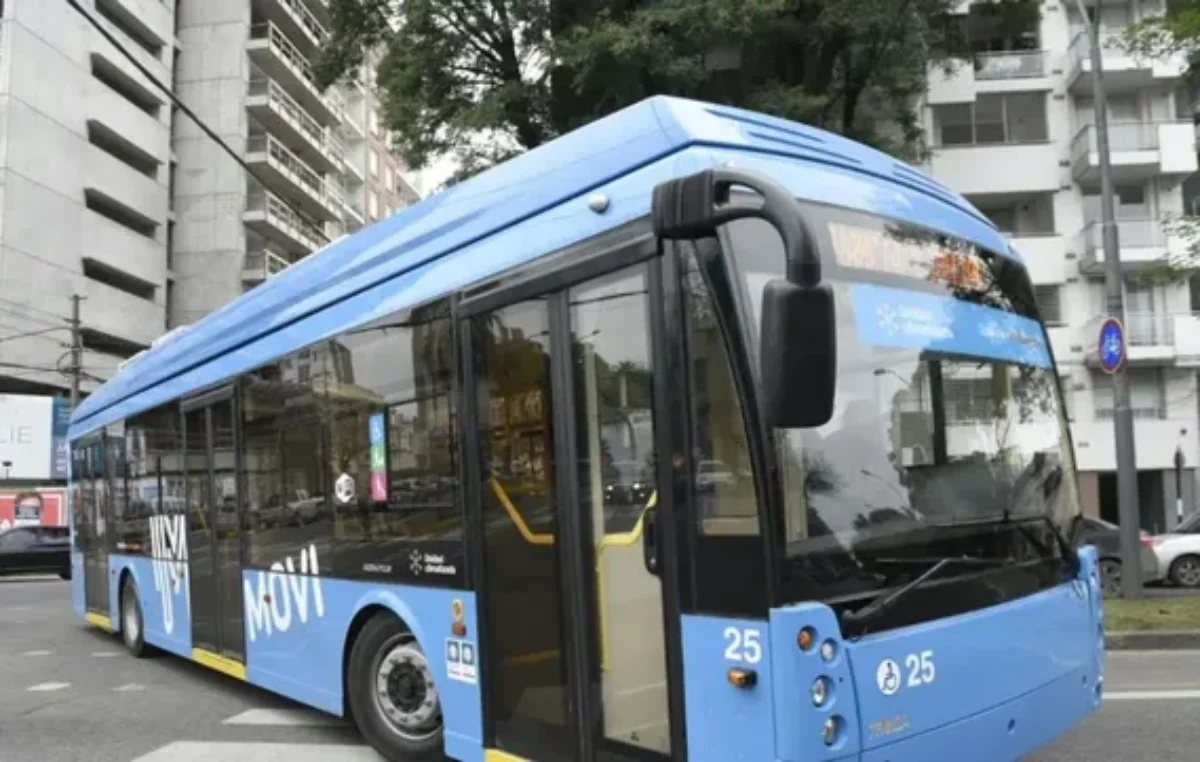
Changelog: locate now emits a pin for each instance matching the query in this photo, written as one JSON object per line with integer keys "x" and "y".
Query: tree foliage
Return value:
{"x": 484, "y": 79}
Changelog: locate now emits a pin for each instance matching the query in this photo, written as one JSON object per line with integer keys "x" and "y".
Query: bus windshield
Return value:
{"x": 947, "y": 416}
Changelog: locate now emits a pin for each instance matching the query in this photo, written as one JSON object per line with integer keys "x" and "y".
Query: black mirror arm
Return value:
{"x": 695, "y": 206}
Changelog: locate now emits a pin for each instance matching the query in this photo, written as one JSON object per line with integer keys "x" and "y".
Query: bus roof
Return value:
{"x": 567, "y": 167}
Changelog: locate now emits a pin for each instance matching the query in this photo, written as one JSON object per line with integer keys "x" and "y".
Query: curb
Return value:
{"x": 1152, "y": 641}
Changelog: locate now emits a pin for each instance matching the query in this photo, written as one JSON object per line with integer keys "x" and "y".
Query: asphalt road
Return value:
{"x": 69, "y": 693}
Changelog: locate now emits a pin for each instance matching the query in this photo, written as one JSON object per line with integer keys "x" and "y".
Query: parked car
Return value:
{"x": 38, "y": 549}
{"x": 1178, "y": 552}
{"x": 1090, "y": 530}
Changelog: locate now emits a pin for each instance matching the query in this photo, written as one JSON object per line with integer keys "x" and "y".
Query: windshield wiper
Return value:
{"x": 884, "y": 603}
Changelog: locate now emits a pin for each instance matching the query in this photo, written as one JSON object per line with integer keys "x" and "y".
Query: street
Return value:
{"x": 72, "y": 694}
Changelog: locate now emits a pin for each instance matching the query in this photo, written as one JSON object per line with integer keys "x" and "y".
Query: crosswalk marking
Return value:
{"x": 37, "y": 653}
{"x": 42, "y": 687}
{"x": 212, "y": 751}
{"x": 1169, "y": 695}
{"x": 130, "y": 687}
{"x": 285, "y": 717}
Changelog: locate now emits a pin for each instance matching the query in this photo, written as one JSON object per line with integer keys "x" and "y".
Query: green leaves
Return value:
{"x": 484, "y": 79}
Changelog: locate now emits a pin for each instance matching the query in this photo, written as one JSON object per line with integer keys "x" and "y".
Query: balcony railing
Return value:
{"x": 1144, "y": 233}
{"x": 1080, "y": 50}
{"x": 315, "y": 28}
{"x": 283, "y": 214}
{"x": 279, "y": 98}
{"x": 296, "y": 59}
{"x": 300, "y": 172}
{"x": 1149, "y": 329}
{"x": 1014, "y": 64}
{"x": 1122, "y": 136}
{"x": 1140, "y": 412}
{"x": 266, "y": 263}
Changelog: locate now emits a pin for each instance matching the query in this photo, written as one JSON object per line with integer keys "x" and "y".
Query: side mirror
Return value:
{"x": 798, "y": 355}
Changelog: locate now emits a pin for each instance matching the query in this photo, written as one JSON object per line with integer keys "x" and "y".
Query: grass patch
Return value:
{"x": 1182, "y": 613}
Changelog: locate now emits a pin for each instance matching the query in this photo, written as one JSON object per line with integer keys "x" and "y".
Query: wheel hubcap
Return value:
{"x": 405, "y": 692}
{"x": 1189, "y": 573}
{"x": 130, "y": 624}
{"x": 1112, "y": 577}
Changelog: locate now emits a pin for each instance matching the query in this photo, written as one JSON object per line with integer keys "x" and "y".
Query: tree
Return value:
{"x": 485, "y": 79}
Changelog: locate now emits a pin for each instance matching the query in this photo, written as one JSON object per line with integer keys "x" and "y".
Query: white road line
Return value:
{"x": 1151, "y": 695}
{"x": 37, "y": 653}
{"x": 42, "y": 687}
{"x": 284, "y": 717}
{"x": 212, "y": 751}
{"x": 105, "y": 654}
{"x": 129, "y": 687}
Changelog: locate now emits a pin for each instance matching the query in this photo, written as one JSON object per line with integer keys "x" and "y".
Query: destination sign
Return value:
{"x": 909, "y": 257}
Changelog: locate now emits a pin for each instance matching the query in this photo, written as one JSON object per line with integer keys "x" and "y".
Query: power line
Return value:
{"x": 192, "y": 115}
{"x": 28, "y": 334}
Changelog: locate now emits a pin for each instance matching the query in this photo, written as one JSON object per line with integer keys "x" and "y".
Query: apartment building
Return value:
{"x": 318, "y": 162}
{"x": 84, "y": 185}
{"x": 1013, "y": 130}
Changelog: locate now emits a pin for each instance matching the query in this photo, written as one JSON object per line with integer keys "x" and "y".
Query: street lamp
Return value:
{"x": 1127, "y": 491}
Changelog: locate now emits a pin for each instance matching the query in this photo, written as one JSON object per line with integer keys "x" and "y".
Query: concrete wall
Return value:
{"x": 48, "y": 168}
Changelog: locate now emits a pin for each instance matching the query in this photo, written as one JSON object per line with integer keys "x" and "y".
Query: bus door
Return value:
{"x": 214, "y": 525}
{"x": 91, "y": 523}
{"x": 576, "y": 630}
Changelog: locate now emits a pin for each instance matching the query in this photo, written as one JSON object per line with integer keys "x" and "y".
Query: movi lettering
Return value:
{"x": 169, "y": 560}
{"x": 284, "y": 594}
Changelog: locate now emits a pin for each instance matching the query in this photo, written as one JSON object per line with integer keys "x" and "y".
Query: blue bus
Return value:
{"x": 692, "y": 434}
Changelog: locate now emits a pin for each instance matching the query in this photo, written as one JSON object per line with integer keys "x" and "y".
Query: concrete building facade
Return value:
{"x": 244, "y": 67}
{"x": 1013, "y": 130}
{"x": 85, "y": 157}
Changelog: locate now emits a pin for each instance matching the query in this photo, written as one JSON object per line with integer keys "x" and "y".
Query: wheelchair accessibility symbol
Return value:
{"x": 888, "y": 677}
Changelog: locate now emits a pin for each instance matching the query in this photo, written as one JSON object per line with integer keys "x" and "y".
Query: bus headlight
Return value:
{"x": 828, "y": 650}
{"x": 833, "y": 727}
{"x": 819, "y": 691}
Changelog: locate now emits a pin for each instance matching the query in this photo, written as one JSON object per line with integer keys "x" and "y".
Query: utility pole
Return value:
{"x": 1127, "y": 494}
{"x": 76, "y": 350}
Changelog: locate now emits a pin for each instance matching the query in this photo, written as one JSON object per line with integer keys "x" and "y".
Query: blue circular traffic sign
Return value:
{"x": 1111, "y": 348}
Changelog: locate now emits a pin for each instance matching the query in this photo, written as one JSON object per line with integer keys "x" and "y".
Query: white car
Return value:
{"x": 1178, "y": 552}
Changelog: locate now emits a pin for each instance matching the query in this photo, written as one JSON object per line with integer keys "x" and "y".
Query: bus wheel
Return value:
{"x": 393, "y": 697}
{"x": 132, "y": 631}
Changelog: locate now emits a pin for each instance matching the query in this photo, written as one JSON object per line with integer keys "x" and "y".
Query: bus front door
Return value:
{"x": 214, "y": 527}
{"x": 574, "y": 622}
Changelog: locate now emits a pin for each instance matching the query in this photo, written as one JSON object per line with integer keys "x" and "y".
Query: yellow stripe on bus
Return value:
{"x": 495, "y": 755}
{"x": 219, "y": 663}
{"x": 99, "y": 620}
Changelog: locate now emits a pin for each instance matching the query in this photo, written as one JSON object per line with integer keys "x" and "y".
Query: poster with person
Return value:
{"x": 32, "y": 508}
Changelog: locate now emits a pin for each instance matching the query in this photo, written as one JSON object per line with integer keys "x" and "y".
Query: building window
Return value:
{"x": 993, "y": 120}
{"x": 387, "y": 176}
{"x": 373, "y": 163}
{"x": 1049, "y": 303}
{"x": 1147, "y": 394}
{"x": 373, "y": 204}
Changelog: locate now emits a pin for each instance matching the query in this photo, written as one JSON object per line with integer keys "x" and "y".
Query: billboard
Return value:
{"x": 45, "y": 507}
{"x": 33, "y": 437}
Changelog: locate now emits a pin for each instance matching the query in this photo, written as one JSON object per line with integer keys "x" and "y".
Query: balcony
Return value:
{"x": 1044, "y": 255}
{"x": 1138, "y": 151}
{"x": 271, "y": 105}
{"x": 1123, "y": 73}
{"x": 990, "y": 72}
{"x": 1156, "y": 439}
{"x": 1152, "y": 338}
{"x": 1141, "y": 244}
{"x": 296, "y": 20}
{"x": 263, "y": 264}
{"x": 103, "y": 49}
{"x": 152, "y": 18}
{"x": 354, "y": 216}
{"x": 268, "y": 215}
{"x": 282, "y": 169}
{"x": 271, "y": 50}
{"x": 134, "y": 126}
{"x": 987, "y": 168}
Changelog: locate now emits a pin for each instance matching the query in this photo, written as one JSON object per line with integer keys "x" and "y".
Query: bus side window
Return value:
{"x": 728, "y": 559}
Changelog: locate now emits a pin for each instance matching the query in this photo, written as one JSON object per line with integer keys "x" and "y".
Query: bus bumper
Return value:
{"x": 1004, "y": 733}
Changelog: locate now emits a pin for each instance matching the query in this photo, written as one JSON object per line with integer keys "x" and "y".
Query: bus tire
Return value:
{"x": 133, "y": 631}
{"x": 402, "y": 721}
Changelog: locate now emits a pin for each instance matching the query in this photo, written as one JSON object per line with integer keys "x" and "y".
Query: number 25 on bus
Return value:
{"x": 693, "y": 434}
